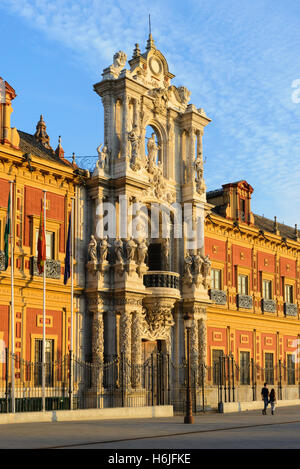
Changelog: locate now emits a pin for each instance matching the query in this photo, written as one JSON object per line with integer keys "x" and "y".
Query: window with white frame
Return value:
{"x": 267, "y": 289}
{"x": 216, "y": 279}
{"x": 243, "y": 284}
{"x": 49, "y": 236}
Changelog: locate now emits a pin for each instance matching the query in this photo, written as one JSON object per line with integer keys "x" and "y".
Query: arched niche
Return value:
{"x": 157, "y": 129}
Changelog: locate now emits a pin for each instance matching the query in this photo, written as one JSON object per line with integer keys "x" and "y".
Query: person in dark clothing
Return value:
{"x": 272, "y": 400}
{"x": 265, "y": 398}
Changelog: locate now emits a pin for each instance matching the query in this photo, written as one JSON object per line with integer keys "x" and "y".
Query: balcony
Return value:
{"x": 244, "y": 301}
{"x": 218, "y": 297}
{"x": 161, "y": 279}
{"x": 268, "y": 306}
{"x": 290, "y": 309}
{"x": 2, "y": 260}
{"x": 162, "y": 283}
{"x": 53, "y": 268}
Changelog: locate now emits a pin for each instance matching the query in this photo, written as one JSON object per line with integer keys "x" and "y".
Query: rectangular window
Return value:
{"x": 243, "y": 285}
{"x": 290, "y": 363}
{"x": 267, "y": 289}
{"x": 288, "y": 291}
{"x": 218, "y": 369}
{"x": 269, "y": 368}
{"x": 243, "y": 209}
{"x": 245, "y": 367}
{"x": 216, "y": 283}
{"x": 49, "y": 350}
{"x": 49, "y": 235}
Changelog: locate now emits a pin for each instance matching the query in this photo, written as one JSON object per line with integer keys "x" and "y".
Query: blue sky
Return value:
{"x": 238, "y": 58}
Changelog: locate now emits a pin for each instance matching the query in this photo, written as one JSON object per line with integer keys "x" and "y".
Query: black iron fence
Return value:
{"x": 74, "y": 384}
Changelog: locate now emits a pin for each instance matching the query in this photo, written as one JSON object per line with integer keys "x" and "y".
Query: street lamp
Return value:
{"x": 188, "y": 319}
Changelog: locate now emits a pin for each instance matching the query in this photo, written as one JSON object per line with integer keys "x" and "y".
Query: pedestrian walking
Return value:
{"x": 272, "y": 400}
{"x": 265, "y": 398}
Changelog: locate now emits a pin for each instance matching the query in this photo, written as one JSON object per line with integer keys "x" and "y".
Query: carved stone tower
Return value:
{"x": 147, "y": 264}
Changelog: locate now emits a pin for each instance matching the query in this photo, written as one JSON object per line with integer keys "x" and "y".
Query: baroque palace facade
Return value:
{"x": 151, "y": 244}
{"x": 33, "y": 166}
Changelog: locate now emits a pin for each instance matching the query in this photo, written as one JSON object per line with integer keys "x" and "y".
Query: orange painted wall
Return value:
{"x": 4, "y": 323}
{"x": 265, "y": 262}
{"x": 33, "y": 205}
{"x": 241, "y": 256}
{"x": 33, "y": 328}
{"x": 4, "y": 192}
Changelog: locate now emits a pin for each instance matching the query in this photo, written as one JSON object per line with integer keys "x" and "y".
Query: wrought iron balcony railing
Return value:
{"x": 218, "y": 297}
{"x": 290, "y": 309}
{"x": 53, "y": 268}
{"x": 2, "y": 260}
{"x": 244, "y": 301}
{"x": 268, "y": 306}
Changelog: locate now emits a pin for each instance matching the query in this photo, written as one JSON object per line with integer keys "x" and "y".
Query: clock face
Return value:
{"x": 155, "y": 65}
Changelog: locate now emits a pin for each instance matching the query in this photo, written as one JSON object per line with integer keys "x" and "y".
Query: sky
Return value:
{"x": 239, "y": 58}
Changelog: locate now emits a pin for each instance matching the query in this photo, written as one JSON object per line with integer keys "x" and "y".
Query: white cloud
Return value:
{"x": 238, "y": 58}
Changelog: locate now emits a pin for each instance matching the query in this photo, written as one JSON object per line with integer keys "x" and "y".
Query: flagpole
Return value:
{"x": 12, "y": 301}
{"x": 44, "y": 317}
{"x": 72, "y": 305}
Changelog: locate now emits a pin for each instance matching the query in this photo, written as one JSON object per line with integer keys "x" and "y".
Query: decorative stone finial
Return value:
{"x": 59, "y": 150}
{"x": 296, "y": 231}
{"x": 41, "y": 133}
{"x": 275, "y": 225}
{"x": 73, "y": 158}
{"x": 150, "y": 43}
{"x": 136, "y": 52}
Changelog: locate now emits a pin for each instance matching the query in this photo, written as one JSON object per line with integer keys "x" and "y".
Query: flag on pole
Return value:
{"x": 68, "y": 255}
{"x": 7, "y": 233}
{"x": 41, "y": 245}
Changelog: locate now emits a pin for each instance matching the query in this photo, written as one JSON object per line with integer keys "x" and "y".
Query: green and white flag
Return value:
{"x": 7, "y": 233}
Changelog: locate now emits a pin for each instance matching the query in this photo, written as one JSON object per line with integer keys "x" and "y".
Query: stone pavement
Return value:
{"x": 211, "y": 430}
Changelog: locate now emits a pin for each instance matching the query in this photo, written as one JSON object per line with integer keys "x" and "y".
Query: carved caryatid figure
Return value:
{"x": 198, "y": 165}
{"x": 118, "y": 248}
{"x": 166, "y": 252}
{"x": 134, "y": 139}
{"x": 92, "y": 249}
{"x": 103, "y": 250}
{"x": 206, "y": 271}
{"x": 102, "y": 161}
{"x": 152, "y": 149}
{"x": 198, "y": 261}
{"x": 142, "y": 251}
{"x": 187, "y": 274}
{"x": 130, "y": 248}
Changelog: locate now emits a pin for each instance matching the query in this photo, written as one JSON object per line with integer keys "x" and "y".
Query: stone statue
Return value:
{"x": 134, "y": 139}
{"x": 152, "y": 149}
{"x": 104, "y": 245}
{"x": 130, "y": 247}
{"x": 206, "y": 271}
{"x": 118, "y": 248}
{"x": 142, "y": 251}
{"x": 102, "y": 161}
{"x": 166, "y": 251}
{"x": 92, "y": 249}
{"x": 198, "y": 261}
{"x": 187, "y": 274}
{"x": 184, "y": 94}
{"x": 198, "y": 165}
{"x": 119, "y": 61}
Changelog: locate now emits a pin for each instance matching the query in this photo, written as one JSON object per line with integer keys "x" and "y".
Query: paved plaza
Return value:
{"x": 244, "y": 430}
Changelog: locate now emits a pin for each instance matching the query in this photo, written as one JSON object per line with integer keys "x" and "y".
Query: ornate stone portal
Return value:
{"x": 152, "y": 154}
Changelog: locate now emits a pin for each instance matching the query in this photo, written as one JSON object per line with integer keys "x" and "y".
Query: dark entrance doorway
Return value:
{"x": 156, "y": 364}
{"x": 155, "y": 256}
{"x": 151, "y": 347}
